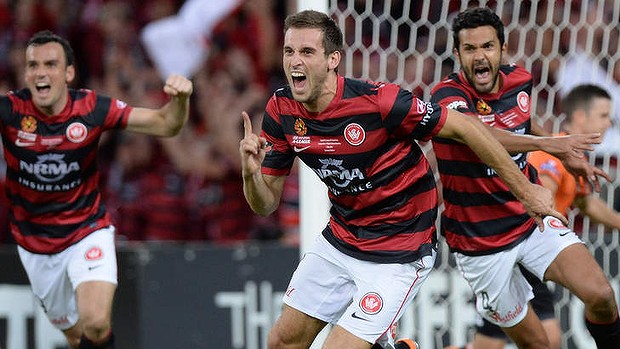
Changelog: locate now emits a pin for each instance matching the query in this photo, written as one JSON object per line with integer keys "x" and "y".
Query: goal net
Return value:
{"x": 563, "y": 43}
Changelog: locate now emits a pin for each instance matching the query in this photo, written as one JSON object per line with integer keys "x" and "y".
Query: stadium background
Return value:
{"x": 209, "y": 294}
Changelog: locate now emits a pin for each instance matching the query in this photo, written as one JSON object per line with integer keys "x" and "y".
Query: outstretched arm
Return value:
{"x": 168, "y": 120}
{"x": 561, "y": 147}
{"x": 569, "y": 149}
{"x": 537, "y": 200}
{"x": 262, "y": 192}
{"x": 598, "y": 211}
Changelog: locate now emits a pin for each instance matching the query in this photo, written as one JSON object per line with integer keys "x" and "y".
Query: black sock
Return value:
{"x": 86, "y": 343}
{"x": 606, "y": 336}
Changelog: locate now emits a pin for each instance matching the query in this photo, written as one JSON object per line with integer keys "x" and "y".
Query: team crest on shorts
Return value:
{"x": 93, "y": 254}
{"x": 371, "y": 303}
{"x": 556, "y": 223}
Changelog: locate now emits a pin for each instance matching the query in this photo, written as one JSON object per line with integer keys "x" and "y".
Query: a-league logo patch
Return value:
{"x": 371, "y": 303}
{"x": 29, "y": 124}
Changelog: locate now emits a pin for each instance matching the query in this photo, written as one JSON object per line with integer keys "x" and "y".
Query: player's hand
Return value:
{"x": 580, "y": 167}
{"x": 251, "y": 148}
{"x": 571, "y": 146}
{"x": 178, "y": 86}
{"x": 539, "y": 203}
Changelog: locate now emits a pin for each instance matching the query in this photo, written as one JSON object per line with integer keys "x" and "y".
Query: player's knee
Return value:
{"x": 74, "y": 341}
{"x": 73, "y": 336}
{"x": 278, "y": 339}
{"x": 275, "y": 340}
{"x": 601, "y": 301}
{"x": 96, "y": 327}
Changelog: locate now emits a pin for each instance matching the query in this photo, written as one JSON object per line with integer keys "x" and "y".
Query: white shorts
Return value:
{"x": 365, "y": 298}
{"x": 55, "y": 277}
{"x": 502, "y": 292}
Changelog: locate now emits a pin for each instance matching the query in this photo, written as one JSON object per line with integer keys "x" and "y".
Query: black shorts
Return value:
{"x": 542, "y": 303}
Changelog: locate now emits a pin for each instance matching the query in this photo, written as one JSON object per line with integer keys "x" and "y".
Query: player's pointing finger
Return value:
{"x": 247, "y": 124}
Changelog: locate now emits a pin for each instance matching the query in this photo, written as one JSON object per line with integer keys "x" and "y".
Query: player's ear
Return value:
{"x": 333, "y": 60}
{"x": 579, "y": 117}
{"x": 70, "y": 74}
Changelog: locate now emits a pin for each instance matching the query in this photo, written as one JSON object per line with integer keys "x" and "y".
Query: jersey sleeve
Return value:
{"x": 116, "y": 112}
{"x": 452, "y": 98}
{"x": 279, "y": 157}
{"x": 409, "y": 116}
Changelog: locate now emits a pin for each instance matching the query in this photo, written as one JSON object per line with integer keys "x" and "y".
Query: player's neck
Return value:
{"x": 328, "y": 93}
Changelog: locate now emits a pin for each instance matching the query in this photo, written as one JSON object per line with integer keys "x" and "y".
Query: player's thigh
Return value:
{"x": 341, "y": 338}
{"x": 576, "y": 269}
{"x": 541, "y": 250}
{"x": 294, "y": 328}
{"x": 93, "y": 273}
{"x": 94, "y": 301}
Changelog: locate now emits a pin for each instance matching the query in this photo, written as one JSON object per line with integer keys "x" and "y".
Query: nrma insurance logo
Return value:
{"x": 339, "y": 176}
{"x": 339, "y": 179}
{"x": 49, "y": 168}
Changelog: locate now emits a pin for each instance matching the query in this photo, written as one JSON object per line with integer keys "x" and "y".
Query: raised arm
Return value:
{"x": 537, "y": 200}
{"x": 168, "y": 120}
{"x": 262, "y": 192}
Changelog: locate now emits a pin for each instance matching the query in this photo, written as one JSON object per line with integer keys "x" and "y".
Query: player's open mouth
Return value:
{"x": 482, "y": 73}
{"x": 43, "y": 87}
{"x": 299, "y": 80}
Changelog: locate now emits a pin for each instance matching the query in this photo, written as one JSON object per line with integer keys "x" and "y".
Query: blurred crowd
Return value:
{"x": 189, "y": 187}
{"x": 184, "y": 188}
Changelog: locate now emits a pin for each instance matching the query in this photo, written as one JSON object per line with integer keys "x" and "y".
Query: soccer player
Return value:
{"x": 358, "y": 137}
{"x": 65, "y": 237}
{"x": 588, "y": 108}
{"x": 487, "y": 229}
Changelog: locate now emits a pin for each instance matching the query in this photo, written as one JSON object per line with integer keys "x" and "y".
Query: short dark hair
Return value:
{"x": 332, "y": 35}
{"x": 477, "y": 17}
{"x": 46, "y": 36}
{"x": 580, "y": 98}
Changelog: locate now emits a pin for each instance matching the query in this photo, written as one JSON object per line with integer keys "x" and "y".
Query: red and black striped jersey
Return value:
{"x": 362, "y": 146}
{"x": 52, "y": 176}
{"x": 481, "y": 215}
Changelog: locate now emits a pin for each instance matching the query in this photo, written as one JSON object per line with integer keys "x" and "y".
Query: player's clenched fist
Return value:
{"x": 178, "y": 85}
{"x": 251, "y": 149}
